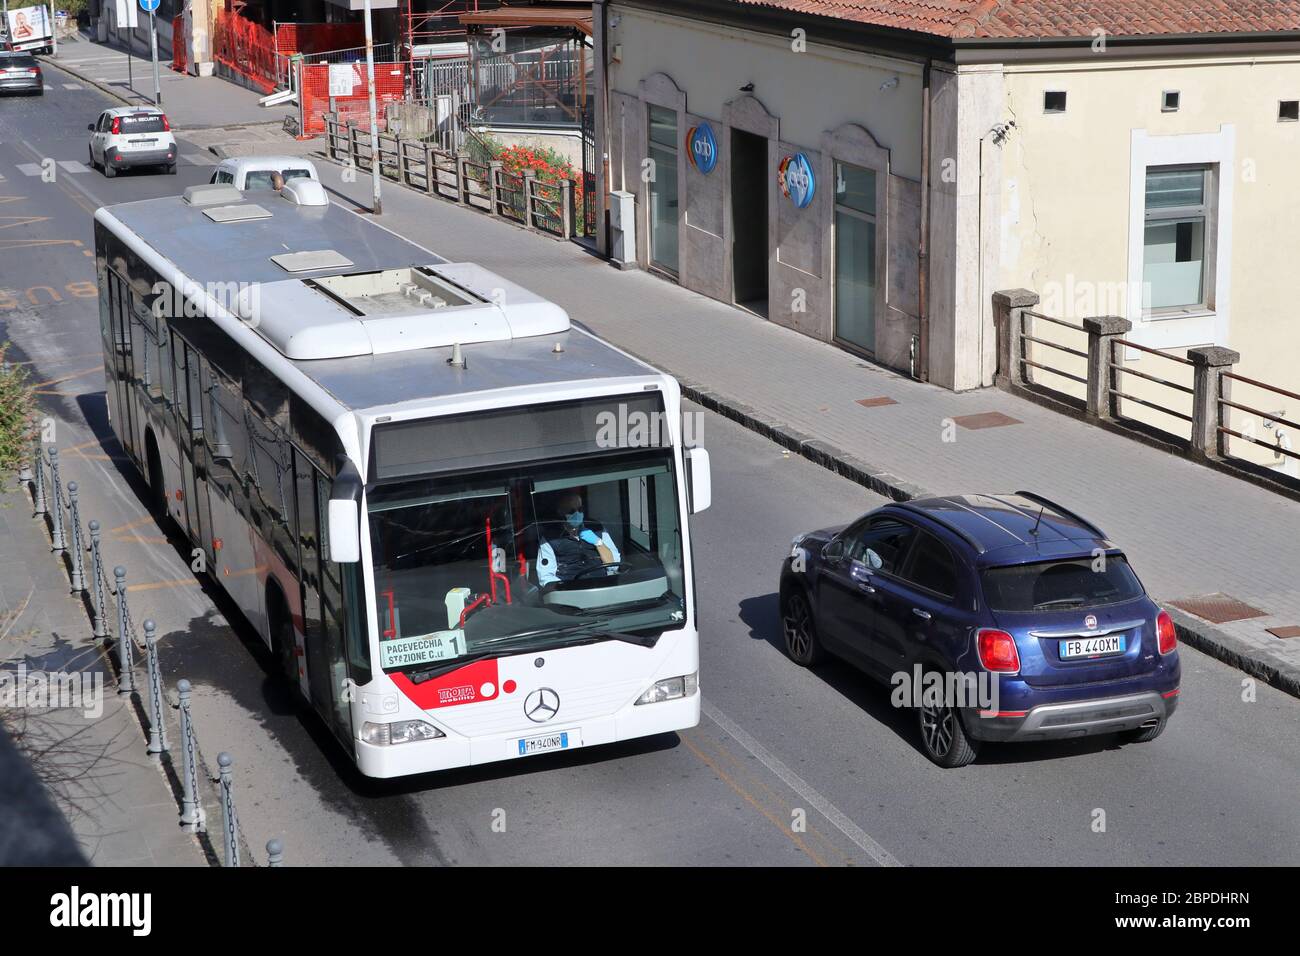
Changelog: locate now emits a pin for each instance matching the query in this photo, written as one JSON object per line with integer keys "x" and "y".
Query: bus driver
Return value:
{"x": 577, "y": 547}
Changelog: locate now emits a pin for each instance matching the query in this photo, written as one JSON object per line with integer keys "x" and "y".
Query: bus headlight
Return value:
{"x": 400, "y": 732}
{"x": 671, "y": 688}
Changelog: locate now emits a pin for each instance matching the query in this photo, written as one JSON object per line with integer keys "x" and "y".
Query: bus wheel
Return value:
{"x": 157, "y": 492}
{"x": 282, "y": 642}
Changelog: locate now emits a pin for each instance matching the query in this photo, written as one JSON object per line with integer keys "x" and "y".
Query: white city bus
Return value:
{"x": 459, "y": 523}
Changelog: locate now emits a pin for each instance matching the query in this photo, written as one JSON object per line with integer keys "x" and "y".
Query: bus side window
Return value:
{"x": 178, "y": 362}
{"x": 165, "y": 362}
{"x": 195, "y": 393}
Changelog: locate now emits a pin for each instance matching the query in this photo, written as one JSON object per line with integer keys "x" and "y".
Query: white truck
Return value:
{"x": 29, "y": 29}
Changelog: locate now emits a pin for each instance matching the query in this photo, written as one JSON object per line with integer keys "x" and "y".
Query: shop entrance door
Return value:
{"x": 749, "y": 182}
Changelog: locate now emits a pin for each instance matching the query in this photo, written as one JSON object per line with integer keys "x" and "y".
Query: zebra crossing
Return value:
{"x": 77, "y": 166}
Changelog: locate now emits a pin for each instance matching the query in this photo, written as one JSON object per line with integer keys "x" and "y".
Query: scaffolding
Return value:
{"x": 429, "y": 22}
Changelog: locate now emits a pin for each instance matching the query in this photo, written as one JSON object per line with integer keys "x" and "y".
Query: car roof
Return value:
{"x": 128, "y": 110}
{"x": 1013, "y": 528}
{"x": 246, "y": 163}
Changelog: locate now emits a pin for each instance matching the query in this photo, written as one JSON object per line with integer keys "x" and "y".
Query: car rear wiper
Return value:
{"x": 1060, "y": 602}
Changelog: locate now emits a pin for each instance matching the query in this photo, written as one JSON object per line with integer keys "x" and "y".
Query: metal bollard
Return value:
{"x": 77, "y": 545}
{"x": 99, "y": 628}
{"x": 274, "y": 853}
{"x": 58, "y": 542}
{"x": 157, "y": 729}
{"x": 25, "y": 467}
{"x": 38, "y": 484}
{"x": 229, "y": 838}
{"x": 192, "y": 815}
{"x": 126, "y": 680}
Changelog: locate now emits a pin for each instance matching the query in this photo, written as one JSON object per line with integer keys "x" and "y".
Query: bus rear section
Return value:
{"x": 529, "y": 569}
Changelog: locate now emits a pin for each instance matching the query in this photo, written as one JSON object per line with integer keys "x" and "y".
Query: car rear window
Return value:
{"x": 296, "y": 174}
{"x": 142, "y": 123}
{"x": 1061, "y": 585}
{"x": 22, "y": 59}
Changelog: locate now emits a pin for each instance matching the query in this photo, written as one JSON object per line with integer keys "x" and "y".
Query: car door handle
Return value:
{"x": 923, "y": 615}
{"x": 866, "y": 588}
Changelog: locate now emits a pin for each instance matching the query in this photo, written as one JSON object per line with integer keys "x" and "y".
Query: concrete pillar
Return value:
{"x": 1102, "y": 331}
{"x": 1009, "y": 307}
{"x": 1209, "y": 362}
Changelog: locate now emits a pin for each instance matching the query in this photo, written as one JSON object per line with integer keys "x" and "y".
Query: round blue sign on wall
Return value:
{"x": 796, "y": 179}
{"x": 702, "y": 148}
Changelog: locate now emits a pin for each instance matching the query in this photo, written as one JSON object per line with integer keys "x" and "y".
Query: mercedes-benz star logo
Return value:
{"x": 541, "y": 705}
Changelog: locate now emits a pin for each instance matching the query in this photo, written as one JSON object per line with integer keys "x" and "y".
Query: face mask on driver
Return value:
{"x": 574, "y": 518}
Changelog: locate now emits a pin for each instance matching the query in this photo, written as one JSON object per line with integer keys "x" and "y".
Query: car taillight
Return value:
{"x": 117, "y": 125}
{"x": 997, "y": 651}
{"x": 1166, "y": 633}
{"x": 167, "y": 127}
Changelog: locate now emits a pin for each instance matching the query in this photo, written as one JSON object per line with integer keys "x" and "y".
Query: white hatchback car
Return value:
{"x": 256, "y": 172}
{"x": 127, "y": 136}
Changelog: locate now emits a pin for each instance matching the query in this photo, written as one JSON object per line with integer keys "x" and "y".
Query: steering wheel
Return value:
{"x": 617, "y": 566}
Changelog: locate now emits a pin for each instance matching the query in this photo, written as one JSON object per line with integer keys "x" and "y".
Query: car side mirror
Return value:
{"x": 90, "y": 126}
{"x": 834, "y": 551}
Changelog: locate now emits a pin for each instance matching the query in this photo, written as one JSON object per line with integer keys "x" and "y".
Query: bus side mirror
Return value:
{"x": 345, "y": 531}
{"x": 699, "y": 482}
{"x": 344, "y": 515}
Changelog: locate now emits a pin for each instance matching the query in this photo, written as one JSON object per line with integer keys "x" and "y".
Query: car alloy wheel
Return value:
{"x": 937, "y": 729}
{"x": 800, "y": 632}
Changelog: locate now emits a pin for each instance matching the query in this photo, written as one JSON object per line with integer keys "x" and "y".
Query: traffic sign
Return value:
{"x": 149, "y": 6}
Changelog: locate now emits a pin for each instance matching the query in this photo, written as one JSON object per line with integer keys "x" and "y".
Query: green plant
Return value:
{"x": 16, "y": 405}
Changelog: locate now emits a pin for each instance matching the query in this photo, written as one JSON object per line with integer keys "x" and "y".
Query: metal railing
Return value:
{"x": 1184, "y": 402}
{"x": 60, "y": 510}
{"x": 521, "y": 198}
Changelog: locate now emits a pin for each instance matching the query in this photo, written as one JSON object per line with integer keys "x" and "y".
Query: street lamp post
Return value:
{"x": 374, "y": 118}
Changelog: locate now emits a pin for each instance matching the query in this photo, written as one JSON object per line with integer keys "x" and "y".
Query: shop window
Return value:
{"x": 662, "y": 140}
{"x": 855, "y": 256}
{"x": 1176, "y": 242}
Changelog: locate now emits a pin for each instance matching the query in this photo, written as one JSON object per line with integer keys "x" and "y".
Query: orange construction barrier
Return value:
{"x": 314, "y": 94}
{"x": 245, "y": 49}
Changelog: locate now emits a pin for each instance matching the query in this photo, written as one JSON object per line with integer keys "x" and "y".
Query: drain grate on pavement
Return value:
{"x": 876, "y": 402}
{"x": 1218, "y": 608}
{"x": 1289, "y": 631}
{"x": 985, "y": 420}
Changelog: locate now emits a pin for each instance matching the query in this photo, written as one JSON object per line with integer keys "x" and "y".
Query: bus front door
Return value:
{"x": 193, "y": 476}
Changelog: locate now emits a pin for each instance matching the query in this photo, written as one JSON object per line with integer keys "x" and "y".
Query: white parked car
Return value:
{"x": 127, "y": 136}
{"x": 256, "y": 172}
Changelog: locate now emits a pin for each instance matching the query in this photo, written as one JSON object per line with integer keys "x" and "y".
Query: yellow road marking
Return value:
{"x": 131, "y": 524}
{"x": 782, "y": 825}
{"x": 64, "y": 378}
{"x": 155, "y": 585}
{"x": 9, "y": 222}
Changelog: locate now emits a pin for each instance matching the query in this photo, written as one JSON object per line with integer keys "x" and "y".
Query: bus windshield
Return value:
{"x": 525, "y": 558}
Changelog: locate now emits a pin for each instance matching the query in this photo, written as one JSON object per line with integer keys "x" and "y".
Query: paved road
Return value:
{"x": 1219, "y": 786}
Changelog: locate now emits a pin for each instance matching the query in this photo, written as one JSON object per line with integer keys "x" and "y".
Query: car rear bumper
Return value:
{"x": 1084, "y": 718}
{"x": 144, "y": 157}
{"x": 33, "y": 84}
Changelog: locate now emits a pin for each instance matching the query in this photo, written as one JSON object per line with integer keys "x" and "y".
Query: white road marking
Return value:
{"x": 29, "y": 169}
{"x": 72, "y": 86}
{"x": 199, "y": 159}
{"x": 800, "y": 786}
{"x": 72, "y": 166}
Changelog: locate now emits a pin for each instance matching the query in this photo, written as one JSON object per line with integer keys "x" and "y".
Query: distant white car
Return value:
{"x": 132, "y": 136}
{"x": 255, "y": 172}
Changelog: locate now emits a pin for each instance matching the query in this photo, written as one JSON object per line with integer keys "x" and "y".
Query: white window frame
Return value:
{"x": 1184, "y": 328}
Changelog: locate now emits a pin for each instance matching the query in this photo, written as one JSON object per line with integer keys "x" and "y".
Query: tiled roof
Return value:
{"x": 1054, "y": 19}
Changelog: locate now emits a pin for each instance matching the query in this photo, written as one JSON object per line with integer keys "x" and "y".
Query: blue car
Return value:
{"x": 999, "y": 618}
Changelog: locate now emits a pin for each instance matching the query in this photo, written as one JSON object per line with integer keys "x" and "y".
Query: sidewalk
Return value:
{"x": 116, "y": 798}
{"x": 1191, "y": 532}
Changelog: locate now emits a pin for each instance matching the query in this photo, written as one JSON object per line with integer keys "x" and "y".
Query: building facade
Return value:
{"x": 1115, "y": 163}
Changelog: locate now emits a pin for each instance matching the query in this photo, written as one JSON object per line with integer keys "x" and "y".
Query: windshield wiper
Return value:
{"x": 1060, "y": 602}
{"x": 501, "y": 646}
